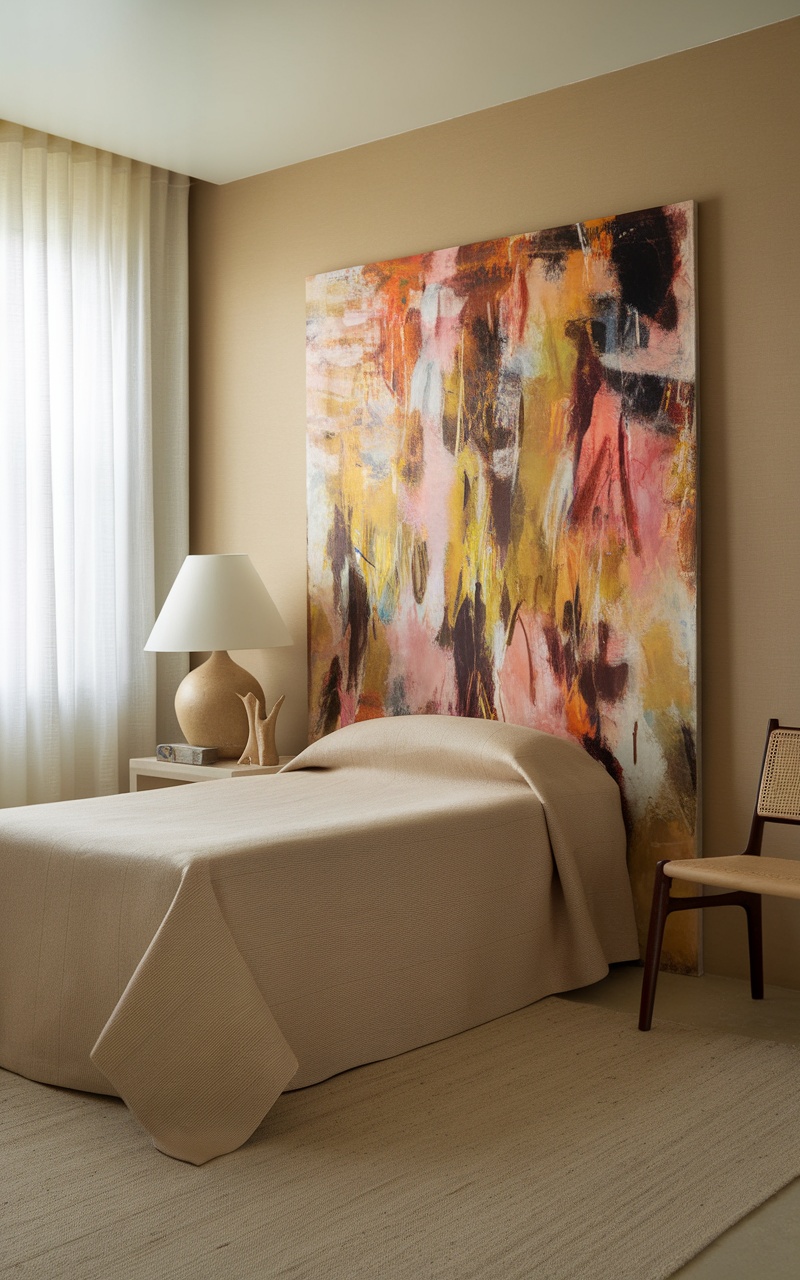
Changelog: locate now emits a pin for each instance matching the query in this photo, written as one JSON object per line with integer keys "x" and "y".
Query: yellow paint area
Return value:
{"x": 664, "y": 680}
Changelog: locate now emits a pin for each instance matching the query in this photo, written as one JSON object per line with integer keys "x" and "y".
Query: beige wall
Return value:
{"x": 719, "y": 125}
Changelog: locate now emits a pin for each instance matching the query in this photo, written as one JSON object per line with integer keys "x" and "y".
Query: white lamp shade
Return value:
{"x": 217, "y": 602}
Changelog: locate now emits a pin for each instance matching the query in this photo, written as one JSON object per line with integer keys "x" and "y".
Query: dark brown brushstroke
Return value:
{"x": 474, "y": 676}
{"x": 501, "y": 493}
{"x": 598, "y": 679}
{"x": 599, "y": 750}
{"x": 412, "y": 454}
{"x": 584, "y": 502}
{"x": 691, "y": 751}
{"x": 555, "y": 652}
{"x": 505, "y": 613}
{"x": 330, "y": 703}
{"x": 586, "y": 383}
{"x": 358, "y": 614}
{"x": 444, "y": 638}
{"x": 644, "y": 257}
{"x": 419, "y": 569}
{"x": 339, "y": 548}
{"x": 553, "y": 246}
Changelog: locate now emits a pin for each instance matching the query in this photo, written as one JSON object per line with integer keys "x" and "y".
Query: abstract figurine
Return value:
{"x": 260, "y": 747}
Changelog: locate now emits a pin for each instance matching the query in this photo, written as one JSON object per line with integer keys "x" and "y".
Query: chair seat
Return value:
{"x": 778, "y": 877}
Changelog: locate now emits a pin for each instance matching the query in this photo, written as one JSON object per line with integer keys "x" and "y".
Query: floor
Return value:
{"x": 766, "y": 1244}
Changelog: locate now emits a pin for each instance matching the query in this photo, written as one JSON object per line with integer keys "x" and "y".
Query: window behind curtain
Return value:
{"x": 93, "y": 458}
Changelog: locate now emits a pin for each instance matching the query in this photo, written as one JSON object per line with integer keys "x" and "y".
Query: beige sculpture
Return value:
{"x": 260, "y": 747}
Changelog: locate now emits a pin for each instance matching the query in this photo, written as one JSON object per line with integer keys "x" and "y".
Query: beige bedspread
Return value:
{"x": 199, "y": 949}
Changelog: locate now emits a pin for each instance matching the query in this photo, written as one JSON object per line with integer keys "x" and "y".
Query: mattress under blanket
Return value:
{"x": 198, "y": 950}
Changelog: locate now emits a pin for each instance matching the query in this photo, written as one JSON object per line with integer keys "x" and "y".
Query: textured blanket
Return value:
{"x": 200, "y": 949}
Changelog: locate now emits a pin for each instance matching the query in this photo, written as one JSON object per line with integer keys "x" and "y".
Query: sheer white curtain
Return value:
{"x": 93, "y": 457}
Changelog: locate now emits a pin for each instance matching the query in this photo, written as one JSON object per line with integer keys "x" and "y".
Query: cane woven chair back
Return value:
{"x": 779, "y": 793}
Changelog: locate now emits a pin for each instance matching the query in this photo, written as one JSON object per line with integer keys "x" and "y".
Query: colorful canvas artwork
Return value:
{"x": 502, "y": 501}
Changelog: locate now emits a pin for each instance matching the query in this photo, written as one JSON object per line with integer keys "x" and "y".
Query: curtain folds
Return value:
{"x": 93, "y": 458}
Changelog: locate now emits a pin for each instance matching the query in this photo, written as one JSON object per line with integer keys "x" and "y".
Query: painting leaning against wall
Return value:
{"x": 502, "y": 502}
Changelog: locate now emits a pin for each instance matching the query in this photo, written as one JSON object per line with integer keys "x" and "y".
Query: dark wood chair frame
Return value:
{"x": 664, "y": 904}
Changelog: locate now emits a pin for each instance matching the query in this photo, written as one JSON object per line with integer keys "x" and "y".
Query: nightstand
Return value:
{"x": 149, "y": 773}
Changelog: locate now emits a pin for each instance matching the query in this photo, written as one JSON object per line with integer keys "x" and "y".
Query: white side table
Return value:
{"x": 149, "y": 773}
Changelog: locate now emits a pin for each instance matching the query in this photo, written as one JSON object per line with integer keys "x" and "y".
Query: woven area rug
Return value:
{"x": 556, "y": 1142}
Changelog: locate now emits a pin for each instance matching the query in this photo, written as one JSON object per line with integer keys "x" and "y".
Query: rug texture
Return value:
{"x": 556, "y": 1142}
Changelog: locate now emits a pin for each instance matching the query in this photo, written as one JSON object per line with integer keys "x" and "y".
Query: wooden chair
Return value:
{"x": 743, "y": 878}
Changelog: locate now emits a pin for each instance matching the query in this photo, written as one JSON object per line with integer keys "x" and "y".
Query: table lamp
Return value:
{"x": 217, "y": 602}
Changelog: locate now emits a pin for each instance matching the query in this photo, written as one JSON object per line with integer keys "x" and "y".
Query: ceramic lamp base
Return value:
{"x": 209, "y": 712}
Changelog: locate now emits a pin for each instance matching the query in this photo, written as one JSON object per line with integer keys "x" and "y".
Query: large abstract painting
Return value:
{"x": 502, "y": 502}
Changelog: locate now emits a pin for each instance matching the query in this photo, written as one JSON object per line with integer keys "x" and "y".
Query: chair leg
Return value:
{"x": 655, "y": 938}
{"x": 752, "y": 906}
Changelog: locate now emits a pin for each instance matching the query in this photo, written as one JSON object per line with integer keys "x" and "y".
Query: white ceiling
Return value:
{"x": 221, "y": 89}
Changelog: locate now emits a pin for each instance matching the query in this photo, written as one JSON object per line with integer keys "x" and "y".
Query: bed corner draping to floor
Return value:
{"x": 198, "y": 950}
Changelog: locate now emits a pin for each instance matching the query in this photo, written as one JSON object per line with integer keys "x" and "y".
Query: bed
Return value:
{"x": 196, "y": 951}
